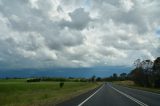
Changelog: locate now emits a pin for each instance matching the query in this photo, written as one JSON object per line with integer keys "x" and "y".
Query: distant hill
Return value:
{"x": 103, "y": 71}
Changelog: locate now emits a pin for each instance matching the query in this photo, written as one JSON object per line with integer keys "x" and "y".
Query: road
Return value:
{"x": 114, "y": 95}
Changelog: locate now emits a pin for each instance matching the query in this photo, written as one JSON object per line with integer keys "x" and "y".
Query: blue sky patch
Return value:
{"x": 158, "y": 32}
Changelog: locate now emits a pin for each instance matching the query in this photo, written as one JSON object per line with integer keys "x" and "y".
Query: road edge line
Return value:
{"x": 153, "y": 93}
{"x": 91, "y": 96}
{"x": 130, "y": 97}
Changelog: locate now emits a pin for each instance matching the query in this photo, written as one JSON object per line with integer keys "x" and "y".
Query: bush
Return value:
{"x": 61, "y": 84}
{"x": 34, "y": 80}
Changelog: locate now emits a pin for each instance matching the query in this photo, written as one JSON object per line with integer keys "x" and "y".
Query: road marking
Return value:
{"x": 130, "y": 97}
{"x": 141, "y": 90}
{"x": 90, "y": 96}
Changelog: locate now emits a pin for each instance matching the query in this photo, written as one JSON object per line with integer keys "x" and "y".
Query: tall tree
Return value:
{"x": 156, "y": 66}
{"x": 147, "y": 65}
{"x": 156, "y": 72}
{"x": 137, "y": 63}
{"x": 123, "y": 76}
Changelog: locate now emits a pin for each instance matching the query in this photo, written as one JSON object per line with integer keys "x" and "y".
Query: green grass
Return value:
{"x": 131, "y": 84}
{"x": 17, "y": 92}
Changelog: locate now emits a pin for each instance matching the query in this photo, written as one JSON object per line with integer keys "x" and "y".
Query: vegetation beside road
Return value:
{"x": 131, "y": 84}
{"x": 125, "y": 83}
{"x": 145, "y": 76}
{"x": 146, "y": 73}
{"x": 18, "y": 92}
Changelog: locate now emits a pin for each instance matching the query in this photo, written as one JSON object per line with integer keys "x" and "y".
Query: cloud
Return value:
{"x": 79, "y": 19}
{"x": 65, "y": 38}
{"x": 60, "y": 33}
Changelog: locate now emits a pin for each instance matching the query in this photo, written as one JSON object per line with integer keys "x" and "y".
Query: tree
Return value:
{"x": 61, "y": 84}
{"x": 115, "y": 76}
{"x": 98, "y": 79}
{"x": 93, "y": 78}
{"x": 146, "y": 73}
{"x": 137, "y": 63}
{"x": 123, "y": 76}
{"x": 156, "y": 66}
{"x": 137, "y": 76}
{"x": 156, "y": 72}
{"x": 142, "y": 74}
{"x": 147, "y": 66}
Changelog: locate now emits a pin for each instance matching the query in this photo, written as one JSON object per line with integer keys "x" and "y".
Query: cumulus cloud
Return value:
{"x": 79, "y": 19}
{"x": 60, "y": 33}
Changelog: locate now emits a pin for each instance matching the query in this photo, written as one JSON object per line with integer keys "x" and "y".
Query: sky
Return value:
{"x": 78, "y": 33}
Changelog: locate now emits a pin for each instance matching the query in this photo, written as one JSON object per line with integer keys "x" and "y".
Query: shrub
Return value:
{"x": 61, "y": 84}
{"x": 34, "y": 80}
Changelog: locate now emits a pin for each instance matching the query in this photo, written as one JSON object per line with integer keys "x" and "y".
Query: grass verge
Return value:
{"x": 20, "y": 93}
{"x": 131, "y": 84}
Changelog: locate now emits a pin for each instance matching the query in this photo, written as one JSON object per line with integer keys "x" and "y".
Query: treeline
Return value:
{"x": 146, "y": 73}
{"x": 114, "y": 77}
{"x": 70, "y": 79}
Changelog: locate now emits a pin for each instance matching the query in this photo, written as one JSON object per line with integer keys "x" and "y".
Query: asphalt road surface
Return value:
{"x": 114, "y": 95}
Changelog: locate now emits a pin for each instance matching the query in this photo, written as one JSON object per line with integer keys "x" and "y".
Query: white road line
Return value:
{"x": 90, "y": 96}
{"x": 130, "y": 97}
{"x": 141, "y": 90}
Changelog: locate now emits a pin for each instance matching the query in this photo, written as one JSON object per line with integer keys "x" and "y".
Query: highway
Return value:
{"x": 114, "y": 95}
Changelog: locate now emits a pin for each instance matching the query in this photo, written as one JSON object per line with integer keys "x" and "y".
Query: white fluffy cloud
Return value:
{"x": 69, "y": 33}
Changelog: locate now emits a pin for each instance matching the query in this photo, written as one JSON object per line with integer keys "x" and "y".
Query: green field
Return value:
{"x": 17, "y": 92}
